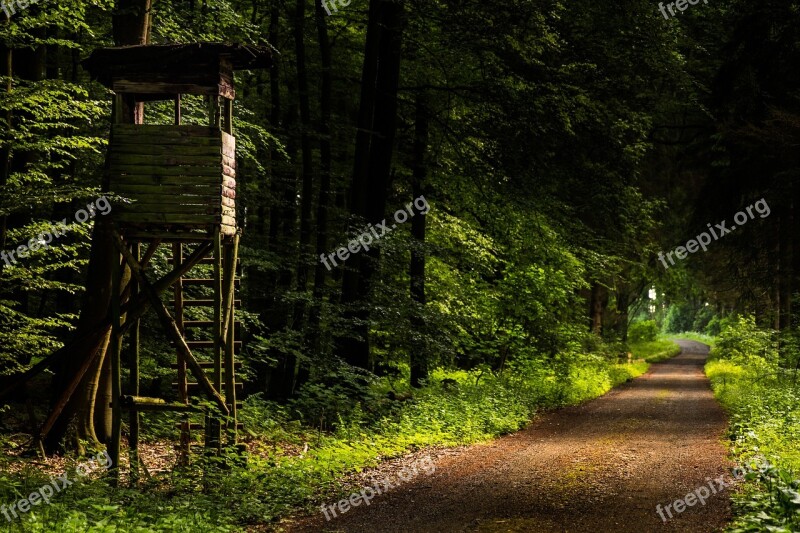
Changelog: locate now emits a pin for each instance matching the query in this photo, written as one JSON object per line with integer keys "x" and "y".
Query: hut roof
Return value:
{"x": 160, "y": 60}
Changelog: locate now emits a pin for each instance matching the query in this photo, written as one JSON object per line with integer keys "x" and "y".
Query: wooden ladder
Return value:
{"x": 219, "y": 361}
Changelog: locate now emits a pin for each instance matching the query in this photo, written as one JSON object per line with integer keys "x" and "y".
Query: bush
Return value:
{"x": 744, "y": 343}
{"x": 645, "y": 331}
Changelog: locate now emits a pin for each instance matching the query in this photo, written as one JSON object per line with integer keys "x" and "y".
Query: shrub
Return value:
{"x": 645, "y": 331}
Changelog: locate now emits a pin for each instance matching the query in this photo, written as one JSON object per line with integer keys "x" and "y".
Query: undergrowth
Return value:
{"x": 762, "y": 395}
{"x": 292, "y": 464}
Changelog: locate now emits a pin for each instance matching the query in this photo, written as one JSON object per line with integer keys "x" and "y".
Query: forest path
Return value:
{"x": 600, "y": 467}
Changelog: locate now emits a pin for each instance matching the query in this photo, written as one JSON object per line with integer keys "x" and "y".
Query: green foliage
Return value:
{"x": 763, "y": 399}
{"x": 293, "y": 464}
{"x": 744, "y": 343}
{"x": 679, "y": 318}
{"x": 645, "y": 331}
{"x": 654, "y": 351}
{"x": 775, "y": 508}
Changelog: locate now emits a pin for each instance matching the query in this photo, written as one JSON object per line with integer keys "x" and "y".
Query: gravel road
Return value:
{"x": 599, "y": 467}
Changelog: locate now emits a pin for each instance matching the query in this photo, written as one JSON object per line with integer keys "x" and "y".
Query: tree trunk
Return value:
{"x": 597, "y": 305}
{"x": 306, "y": 200}
{"x": 320, "y": 271}
{"x": 377, "y": 125}
{"x": 419, "y": 353}
{"x": 131, "y": 26}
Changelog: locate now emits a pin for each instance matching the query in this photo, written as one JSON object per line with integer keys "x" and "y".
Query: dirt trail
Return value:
{"x": 600, "y": 467}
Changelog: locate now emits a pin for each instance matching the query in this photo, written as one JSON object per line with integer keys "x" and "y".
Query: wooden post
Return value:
{"x": 133, "y": 386}
{"x": 114, "y": 351}
{"x": 173, "y": 333}
{"x": 213, "y": 111}
{"x": 183, "y": 384}
{"x": 178, "y": 109}
{"x": 227, "y": 125}
{"x": 231, "y": 256}
{"x": 213, "y": 426}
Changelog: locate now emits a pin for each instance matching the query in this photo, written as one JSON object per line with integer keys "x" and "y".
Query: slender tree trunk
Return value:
{"x": 307, "y": 191}
{"x": 597, "y": 306}
{"x": 623, "y": 305}
{"x": 788, "y": 264}
{"x": 269, "y": 287}
{"x": 377, "y": 126}
{"x": 282, "y": 378}
{"x": 306, "y": 194}
{"x": 320, "y": 271}
{"x": 419, "y": 352}
{"x": 5, "y": 153}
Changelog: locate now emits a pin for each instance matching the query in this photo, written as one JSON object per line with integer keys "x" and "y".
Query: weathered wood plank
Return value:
{"x": 210, "y": 191}
{"x": 161, "y": 199}
{"x": 130, "y": 86}
{"x": 173, "y": 208}
{"x": 121, "y": 170}
{"x": 229, "y": 150}
{"x": 161, "y": 179}
{"x": 184, "y": 233}
{"x": 123, "y": 147}
{"x": 175, "y": 218}
{"x": 228, "y": 143}
{"x": 165, "y": 130}
{"x": 127, "y": 159}
{"x": 164, "y": 140}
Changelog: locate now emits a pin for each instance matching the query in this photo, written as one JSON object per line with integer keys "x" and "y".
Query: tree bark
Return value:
{"x": 377, "y": 125}
{"x": 306, "y": 195}
{"x": 326, "y": 88}
{"x": 131, "y": 26}
{"x": 418, "y": 359}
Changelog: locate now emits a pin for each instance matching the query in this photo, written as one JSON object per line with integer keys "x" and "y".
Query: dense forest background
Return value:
{"x": 558, "y": 147}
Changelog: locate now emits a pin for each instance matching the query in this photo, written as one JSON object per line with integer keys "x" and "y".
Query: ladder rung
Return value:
{"x": 196, "y": 282}
{"x": 194, "y": 388}
{"x": 204, "y": 323}
{"x": 140, "y": 403}
{"x": 202, "y": 303}
{"x": 210, "y": 364}
{"x": 203, "y": 345}
{"x": 197, "y": 425}
{"x": 206, "y": 260}
{"x": 197, "y": 323}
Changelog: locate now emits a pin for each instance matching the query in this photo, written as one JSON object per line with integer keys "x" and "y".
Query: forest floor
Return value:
{"x": 603, "y": 467}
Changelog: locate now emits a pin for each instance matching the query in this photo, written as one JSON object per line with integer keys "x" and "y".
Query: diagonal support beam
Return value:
{"x": 169, "y": 324}
{"x": 140, "y": 306}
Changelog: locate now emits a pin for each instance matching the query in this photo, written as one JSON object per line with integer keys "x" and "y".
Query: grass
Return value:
{"x": 654, "y": 351}
{"x": 694, "y": 336}
{"x": 293, "y": 466}
{"x": 764, "y": 408}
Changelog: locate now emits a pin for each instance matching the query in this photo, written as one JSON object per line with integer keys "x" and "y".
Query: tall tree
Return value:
{"x": 377, "y": 126}
{"x": 131, "y": 26}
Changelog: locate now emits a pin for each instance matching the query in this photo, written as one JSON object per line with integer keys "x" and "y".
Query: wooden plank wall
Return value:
{"x": 175, "y": 176}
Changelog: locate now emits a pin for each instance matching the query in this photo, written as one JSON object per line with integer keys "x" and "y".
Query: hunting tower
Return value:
{"x": 178, "y": 182}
